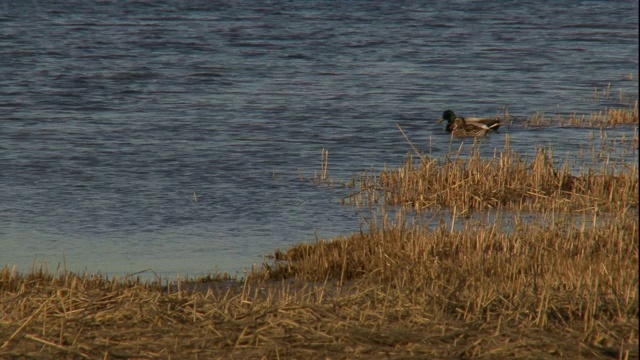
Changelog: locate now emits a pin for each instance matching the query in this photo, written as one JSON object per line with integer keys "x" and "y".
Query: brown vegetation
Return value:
{"x": 555, "y": 275}
{"x": 505, "y": 257}
{"x": 507, "y": 180}
{"x": 602, "y": 119}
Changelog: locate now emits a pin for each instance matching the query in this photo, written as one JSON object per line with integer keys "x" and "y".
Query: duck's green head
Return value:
{"x": 449, "y": 116}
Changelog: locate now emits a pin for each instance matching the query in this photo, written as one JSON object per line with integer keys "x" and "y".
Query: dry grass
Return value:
{"x": 610, "y": 117}
{"x": 403, "y": 291}
{"x": 561, "y": 276}
{"x": 504, "y": 257}
{"x": 506, "y": 180}
{"x": 556, "y": 253}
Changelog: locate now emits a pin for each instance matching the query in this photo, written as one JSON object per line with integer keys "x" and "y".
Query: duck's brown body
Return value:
{"x": 461, "y": 128}
{"x": 471, "y": 126}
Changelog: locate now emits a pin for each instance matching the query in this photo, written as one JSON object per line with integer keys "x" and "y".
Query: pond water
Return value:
{"x": 183, "y": 136}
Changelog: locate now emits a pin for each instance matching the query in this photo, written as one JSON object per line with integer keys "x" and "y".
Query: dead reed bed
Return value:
{"x": 565, "y": 260}
{"x": 610, "y": 117}
{"x": 607, "y": 93}
{"x": 551, "y": 271}
{"x": 507, "y": 180}
{"x": 602, "y": 147}
{"x": 542, "y": 277}
{"x": 395, "y": 291}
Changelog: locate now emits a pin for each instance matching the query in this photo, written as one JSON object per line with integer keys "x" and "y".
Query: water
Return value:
{"x": 114, "y": 114}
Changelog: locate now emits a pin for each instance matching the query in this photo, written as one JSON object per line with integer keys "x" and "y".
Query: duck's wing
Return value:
{"x": 469, "y": 131}
{"x": 491, "y": 123}
{"x": 474, "y": 125}
{"x": 474, "y": 119}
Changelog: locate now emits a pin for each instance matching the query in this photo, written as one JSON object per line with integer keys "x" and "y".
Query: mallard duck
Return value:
{"x": 450, "y": 117}
{"x": 462, "y": 128}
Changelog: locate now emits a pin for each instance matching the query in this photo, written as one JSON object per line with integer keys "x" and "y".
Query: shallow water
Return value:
{"x": 113, "y": 114}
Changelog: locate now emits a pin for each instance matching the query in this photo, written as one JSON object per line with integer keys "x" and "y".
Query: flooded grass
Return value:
{"x": 608, "y": 118}
{"x": 535, "y": 261}
{"x": 507, "y": 180}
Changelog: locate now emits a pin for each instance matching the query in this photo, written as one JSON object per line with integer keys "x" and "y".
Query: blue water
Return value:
{"x": 114, "y": 113}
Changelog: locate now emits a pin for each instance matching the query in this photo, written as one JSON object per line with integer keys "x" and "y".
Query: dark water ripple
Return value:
{"x": 113, "y": 114}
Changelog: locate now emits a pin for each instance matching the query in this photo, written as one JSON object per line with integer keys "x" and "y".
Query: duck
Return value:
{"x": 461, "y": 128}
{"x": 450, "y": 117}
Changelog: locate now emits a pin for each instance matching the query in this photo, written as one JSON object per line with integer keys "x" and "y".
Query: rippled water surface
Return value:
{"x": 182, "y": 136}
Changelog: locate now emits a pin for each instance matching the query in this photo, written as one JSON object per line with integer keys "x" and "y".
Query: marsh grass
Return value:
{"x": 607, "y": 93}
{"x": 547, "y": 275}
{"x": 550, "y": 271}
{"x": 610, "y": 117}
{"x": 396, "y": 290}
{"x": 507, "y": 180}
{"x": 547, "y": 272}
{"x": 323, "y": 176}
{"x": 539, "y": 119}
